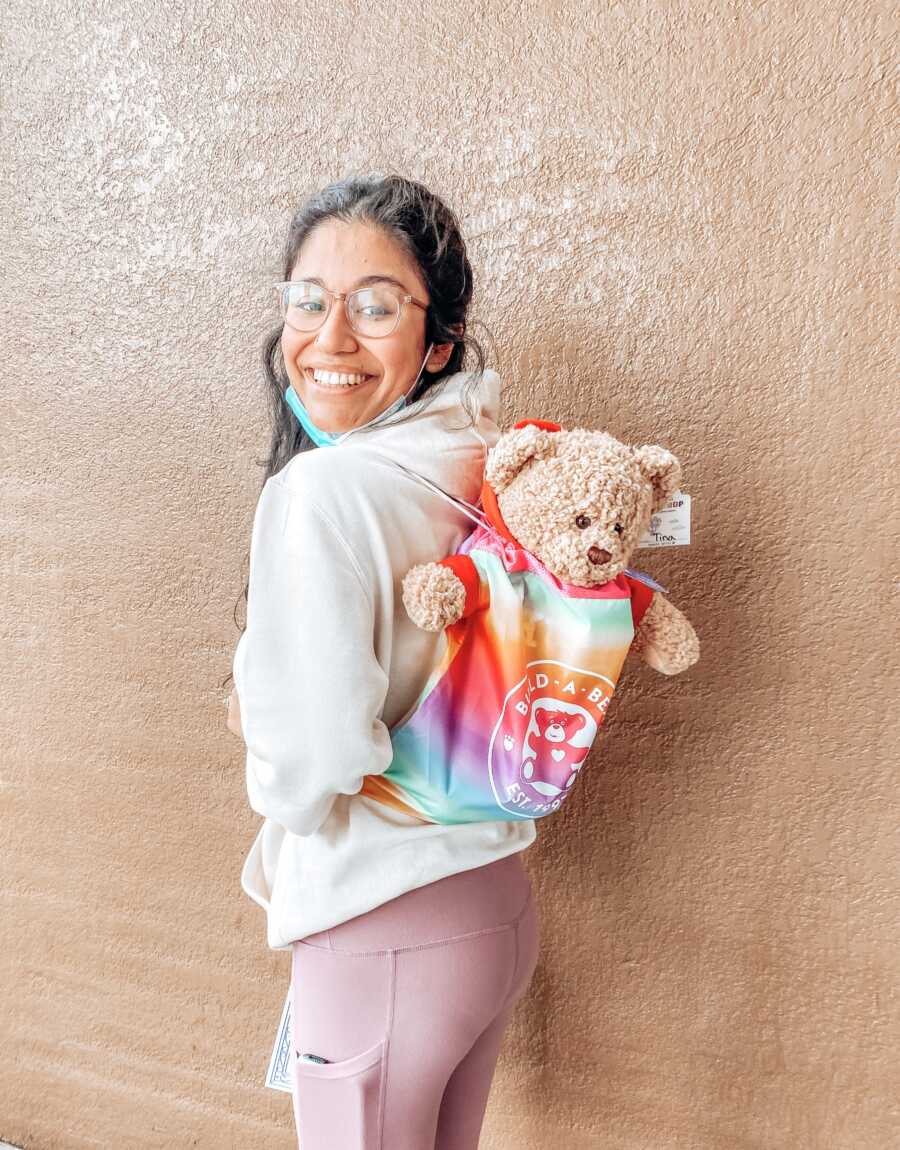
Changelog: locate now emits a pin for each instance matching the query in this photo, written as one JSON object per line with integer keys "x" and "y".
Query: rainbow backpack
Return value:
{"x": 508, "y": 715}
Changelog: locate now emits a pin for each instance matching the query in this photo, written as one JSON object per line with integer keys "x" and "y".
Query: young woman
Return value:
{"x": 411, "y": 941}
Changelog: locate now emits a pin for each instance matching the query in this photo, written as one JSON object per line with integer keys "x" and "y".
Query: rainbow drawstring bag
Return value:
{"x": 507, "y": 717}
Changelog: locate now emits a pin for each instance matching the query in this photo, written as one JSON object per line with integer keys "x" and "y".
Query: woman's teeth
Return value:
{"x": 338, "y": 379}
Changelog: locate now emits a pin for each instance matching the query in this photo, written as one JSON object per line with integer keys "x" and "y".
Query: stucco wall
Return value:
{"x": 680, "y": 216}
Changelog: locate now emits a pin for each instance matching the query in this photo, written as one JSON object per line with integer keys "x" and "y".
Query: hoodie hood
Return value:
{"x": 435, "y": 437}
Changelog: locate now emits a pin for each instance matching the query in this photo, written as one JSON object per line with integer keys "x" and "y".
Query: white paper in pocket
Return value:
{"x": 279, "y": 1076}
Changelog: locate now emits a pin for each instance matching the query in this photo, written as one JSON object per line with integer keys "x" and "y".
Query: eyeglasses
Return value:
{"x": 372, "y": 311}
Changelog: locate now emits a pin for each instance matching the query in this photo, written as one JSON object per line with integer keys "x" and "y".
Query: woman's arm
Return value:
{"x": 234, "y": 713}
{"x": 311, "y": 688}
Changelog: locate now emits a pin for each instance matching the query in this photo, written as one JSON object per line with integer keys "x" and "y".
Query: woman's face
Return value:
{"x": 340, "y": 254}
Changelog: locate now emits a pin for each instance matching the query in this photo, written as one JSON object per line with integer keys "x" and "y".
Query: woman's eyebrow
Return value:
{"x": 370, "y": 279}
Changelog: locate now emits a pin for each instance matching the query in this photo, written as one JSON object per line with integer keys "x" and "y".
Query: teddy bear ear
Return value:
{"x": 513, "y": 450}
{"x": 662, "y": 469}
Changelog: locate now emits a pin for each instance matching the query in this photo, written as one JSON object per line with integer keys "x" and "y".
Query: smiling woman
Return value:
{"x": 349, "y": 363}
{"x": 416, "y": 242}
{"x": 367, "y": 365}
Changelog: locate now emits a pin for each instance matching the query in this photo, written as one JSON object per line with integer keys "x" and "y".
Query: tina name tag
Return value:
{"x": 671, "y": 525}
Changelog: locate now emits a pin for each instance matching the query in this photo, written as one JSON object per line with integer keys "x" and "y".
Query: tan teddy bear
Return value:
{"x": 577, "y": 501}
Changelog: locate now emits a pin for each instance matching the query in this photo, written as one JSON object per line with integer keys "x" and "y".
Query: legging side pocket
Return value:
{"x": 338, "y": 1103}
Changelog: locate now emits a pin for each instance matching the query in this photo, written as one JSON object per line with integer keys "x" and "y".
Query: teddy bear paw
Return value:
{"x": 434, "y": 597}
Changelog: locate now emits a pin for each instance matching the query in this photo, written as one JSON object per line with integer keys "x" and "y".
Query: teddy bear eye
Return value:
{"x": 618, "y": 528}
{"x": 582, "y": 521}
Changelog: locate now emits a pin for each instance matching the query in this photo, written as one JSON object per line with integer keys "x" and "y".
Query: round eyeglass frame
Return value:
{"x": 331, "y": 296}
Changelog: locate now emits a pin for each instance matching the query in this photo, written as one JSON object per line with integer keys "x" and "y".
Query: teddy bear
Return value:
{"x": 574, "y": 504}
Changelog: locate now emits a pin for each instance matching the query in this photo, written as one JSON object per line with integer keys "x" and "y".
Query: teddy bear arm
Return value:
{"x": 438, "y": 594}
{"x": 665, "y": 639}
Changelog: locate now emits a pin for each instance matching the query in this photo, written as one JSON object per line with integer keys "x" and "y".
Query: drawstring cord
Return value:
{"x": 473, "y": 512}
{"x": 478, "y": 517}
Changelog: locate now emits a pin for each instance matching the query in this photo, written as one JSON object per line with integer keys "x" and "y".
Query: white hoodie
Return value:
{"x": 330, "y": 661}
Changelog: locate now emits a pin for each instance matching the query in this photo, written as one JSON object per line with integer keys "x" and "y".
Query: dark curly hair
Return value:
{"x": 429, "y": 231}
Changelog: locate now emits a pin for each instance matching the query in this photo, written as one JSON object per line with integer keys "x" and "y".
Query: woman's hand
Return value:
{"x": 234, "y": 713}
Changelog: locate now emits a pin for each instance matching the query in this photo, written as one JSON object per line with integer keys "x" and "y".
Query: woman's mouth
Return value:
{"x": 335, "y": 381}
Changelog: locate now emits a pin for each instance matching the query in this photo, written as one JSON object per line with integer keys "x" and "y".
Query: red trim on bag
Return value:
{"x": 545, "y": 424}
{"x": 491, "y": 510}
{"x": 641, "y": 598}
{"x": 466, "y": 571}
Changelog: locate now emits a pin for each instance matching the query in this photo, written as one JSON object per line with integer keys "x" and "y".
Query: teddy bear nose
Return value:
{"x": 598, "y": 555}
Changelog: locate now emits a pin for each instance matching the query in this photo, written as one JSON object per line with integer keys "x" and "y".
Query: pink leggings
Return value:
{"x": 409, "y": 1003}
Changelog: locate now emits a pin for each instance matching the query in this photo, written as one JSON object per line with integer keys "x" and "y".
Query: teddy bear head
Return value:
{"x": 578, "y": 500}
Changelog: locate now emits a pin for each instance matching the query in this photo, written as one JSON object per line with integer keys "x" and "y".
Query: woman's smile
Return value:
{"x": 336, "y": 381}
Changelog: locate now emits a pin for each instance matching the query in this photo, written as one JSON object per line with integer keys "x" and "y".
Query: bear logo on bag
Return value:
{"x": 545, "y": 738}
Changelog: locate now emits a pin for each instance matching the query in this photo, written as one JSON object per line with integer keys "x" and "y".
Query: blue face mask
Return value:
{"x": 331, "y": 438}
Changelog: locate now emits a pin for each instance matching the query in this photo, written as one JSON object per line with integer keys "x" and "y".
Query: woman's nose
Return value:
{"x": 336, "y": 334}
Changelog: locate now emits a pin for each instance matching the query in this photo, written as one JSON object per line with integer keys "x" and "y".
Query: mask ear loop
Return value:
{"x": 406, "y": 394}
{"x": 415, "y": 382}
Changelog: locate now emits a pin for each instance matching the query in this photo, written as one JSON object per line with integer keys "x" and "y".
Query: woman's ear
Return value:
{"x": 440, "y": 353}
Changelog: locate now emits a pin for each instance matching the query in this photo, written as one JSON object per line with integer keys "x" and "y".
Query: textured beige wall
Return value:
{"x": 680, "y": 216}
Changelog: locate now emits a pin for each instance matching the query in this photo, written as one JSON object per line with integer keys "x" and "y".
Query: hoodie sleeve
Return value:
{"x": 310, "y": 687}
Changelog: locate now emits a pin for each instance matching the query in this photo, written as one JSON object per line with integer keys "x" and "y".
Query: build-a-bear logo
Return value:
{"x": 550, "y": 747}
{"x": 548, "y": 723}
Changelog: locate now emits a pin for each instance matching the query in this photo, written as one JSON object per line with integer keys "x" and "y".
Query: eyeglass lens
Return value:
{"x": 373, "y": 311}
